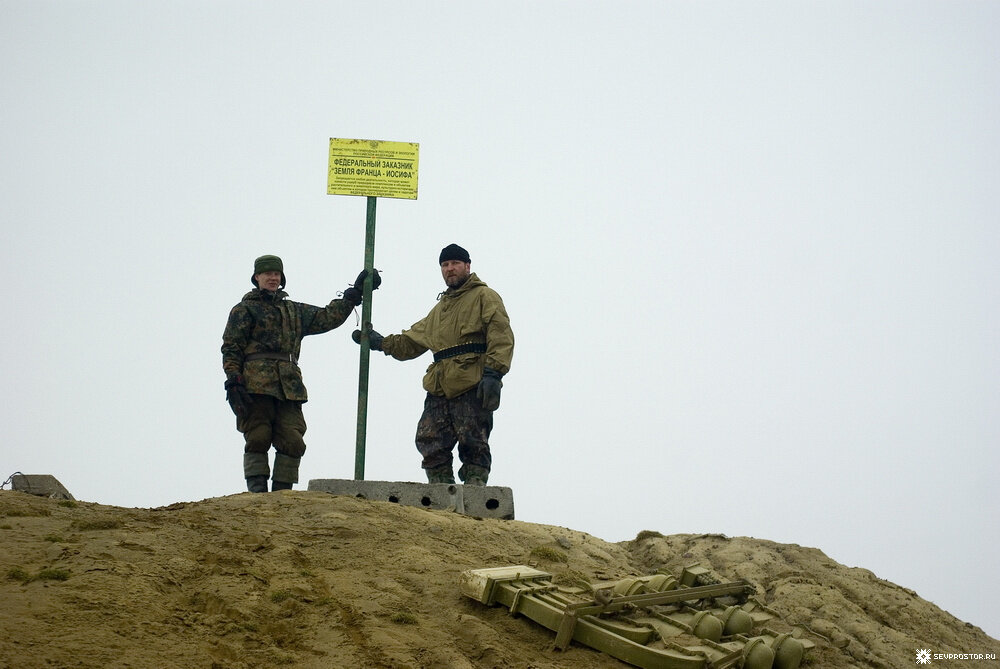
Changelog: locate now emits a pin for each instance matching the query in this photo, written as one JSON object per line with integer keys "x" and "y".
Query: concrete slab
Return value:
{"x": 43, "y": 485}
{"x": 477, "y": 501}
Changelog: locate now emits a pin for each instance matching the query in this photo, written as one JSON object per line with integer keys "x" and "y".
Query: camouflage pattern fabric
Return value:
{"x": 461, "y": 420}
{"x": 266, "y": 322}
{"x": 271, "y": 421}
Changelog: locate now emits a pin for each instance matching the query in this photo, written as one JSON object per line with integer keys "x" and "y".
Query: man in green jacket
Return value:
{"x": 468, "y": 331}
{"x": 260, "y": 356}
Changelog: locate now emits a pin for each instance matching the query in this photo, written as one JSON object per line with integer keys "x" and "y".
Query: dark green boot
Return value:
{"x": 474, "y": 475}
{"x": 286, "y": 472}
{"x": 255, "y": 471}
{"x": 257, "y": 483}
{"x": 442, "y": 474}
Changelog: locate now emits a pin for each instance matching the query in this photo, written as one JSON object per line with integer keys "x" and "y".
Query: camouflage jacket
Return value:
{"x": 472, "y": 313}
{"x": 266, "y": 322}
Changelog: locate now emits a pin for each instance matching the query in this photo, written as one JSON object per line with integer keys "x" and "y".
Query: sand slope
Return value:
{"x": 307, "y": 579}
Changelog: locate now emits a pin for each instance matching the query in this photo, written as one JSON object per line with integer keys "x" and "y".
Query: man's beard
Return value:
{"x": 456, "y": 281}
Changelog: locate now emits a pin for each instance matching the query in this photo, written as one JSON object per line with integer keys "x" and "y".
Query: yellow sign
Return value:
{"x": 373, "y": 168}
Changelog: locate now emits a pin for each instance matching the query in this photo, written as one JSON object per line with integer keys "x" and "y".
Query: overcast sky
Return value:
{"x": 749, "y": 251}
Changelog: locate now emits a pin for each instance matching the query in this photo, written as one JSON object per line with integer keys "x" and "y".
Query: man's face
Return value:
{"x": 269, "y": 280}
{"x": 455, "y": 272}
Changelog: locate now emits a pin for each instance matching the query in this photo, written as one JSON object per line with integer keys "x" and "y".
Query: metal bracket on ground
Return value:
{"x": 652, "y": 621}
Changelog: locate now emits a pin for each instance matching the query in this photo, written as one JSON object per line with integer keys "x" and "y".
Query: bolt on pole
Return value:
{"x": 366, "y": 318}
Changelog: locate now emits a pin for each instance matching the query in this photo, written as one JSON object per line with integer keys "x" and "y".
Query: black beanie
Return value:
{"x": 453, "y": 252}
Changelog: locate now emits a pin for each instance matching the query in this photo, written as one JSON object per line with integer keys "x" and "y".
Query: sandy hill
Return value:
{"x": 307, "y": 579}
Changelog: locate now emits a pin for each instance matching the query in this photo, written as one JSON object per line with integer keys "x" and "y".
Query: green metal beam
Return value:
{"x": 366, "y": 320}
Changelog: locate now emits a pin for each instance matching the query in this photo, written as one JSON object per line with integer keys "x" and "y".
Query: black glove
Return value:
{"x": 374, "y": 338}
{"x": 360, "y": 281}
{"x": 355, "y": 293}
{"x": 237, "y": 396}
{"x": 489, "y": 389}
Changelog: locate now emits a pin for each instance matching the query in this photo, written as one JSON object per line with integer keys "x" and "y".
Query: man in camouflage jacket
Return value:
{"x": 260, "y": 352}
{"x": 468, "y": 331}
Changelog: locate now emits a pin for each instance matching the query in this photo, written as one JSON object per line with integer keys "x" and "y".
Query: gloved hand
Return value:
{"x": 237, "y": 396}
{"x": 355, "y": 293}
{"x": 374, "y": 338}
{"x": 489, "y": 389}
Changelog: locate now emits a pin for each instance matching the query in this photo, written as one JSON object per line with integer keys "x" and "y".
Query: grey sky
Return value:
{"x": 749, "y": 251}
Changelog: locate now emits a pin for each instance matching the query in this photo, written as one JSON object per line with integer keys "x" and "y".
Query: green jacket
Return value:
{"x": 266, "y": 322}
{"x": 472, "y": 313}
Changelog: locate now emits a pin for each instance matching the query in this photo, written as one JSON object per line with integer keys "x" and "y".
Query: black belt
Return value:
{"x": 459, "y": 350}
{"x": 287, "y": 357}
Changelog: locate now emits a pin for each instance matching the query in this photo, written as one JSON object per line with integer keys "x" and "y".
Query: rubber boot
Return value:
{"x": 257, "y": 483}
{"x": 474, "y": 475}
{"x": 256, "y": 471}
{"x": 286, "y": 472}
{"x": 442, "y": 474}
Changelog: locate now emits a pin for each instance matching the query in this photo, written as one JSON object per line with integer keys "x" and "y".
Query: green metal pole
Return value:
{"x": 366, "y": 319}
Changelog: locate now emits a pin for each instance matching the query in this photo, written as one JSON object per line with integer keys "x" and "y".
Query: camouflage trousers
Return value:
{"x": 273, "y": 421}
{"x": 461, "y": 420}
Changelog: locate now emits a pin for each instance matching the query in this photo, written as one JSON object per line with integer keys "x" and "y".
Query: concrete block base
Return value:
{"x": 478, "y": 501}
{"x": 43, "y": 485}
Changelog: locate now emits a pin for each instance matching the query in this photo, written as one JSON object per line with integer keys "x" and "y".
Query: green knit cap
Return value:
{"x": 267, "y": 264}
